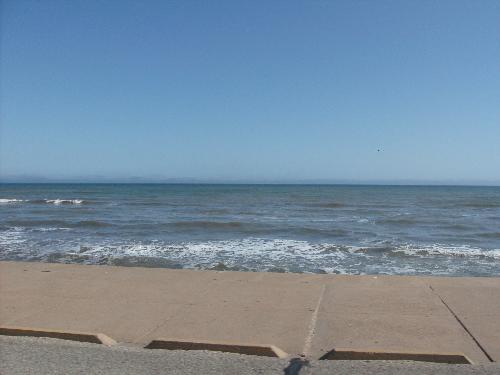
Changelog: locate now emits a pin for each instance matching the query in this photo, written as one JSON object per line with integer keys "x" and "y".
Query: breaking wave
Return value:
{"x": 40, "y": 224}
{"x": 60, "y": 201}
{"x": 450, "y": 251}
{"x": 49, "y": 201}
{"x": 7, "y": 200}
{"x": 258, "y": 254}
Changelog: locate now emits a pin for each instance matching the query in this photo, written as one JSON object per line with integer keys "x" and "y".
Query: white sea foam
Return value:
{"x": 294, "y": 255}
{"x": 263, "y": 254}
{"x": 51, "y": 201}
{"x": 452, "y": 251}
{"x": 12, "y": 237}
{"x": 6, "y": 200}
{"x": 64, "y": 201}
{"x": 49, "y": 229}
{"x": 250, "y": 252}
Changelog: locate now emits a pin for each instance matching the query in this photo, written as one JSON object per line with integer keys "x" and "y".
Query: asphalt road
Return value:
{"x": 27, "y": 355}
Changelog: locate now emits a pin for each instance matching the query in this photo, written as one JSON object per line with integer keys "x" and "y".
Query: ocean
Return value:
{"x": 396, "y": 230}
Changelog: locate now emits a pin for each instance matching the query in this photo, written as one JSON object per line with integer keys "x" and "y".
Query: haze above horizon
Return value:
{"x": 245, "y": 91}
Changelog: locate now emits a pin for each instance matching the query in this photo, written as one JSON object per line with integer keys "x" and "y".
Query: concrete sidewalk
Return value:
{"x": 301, "y": 314}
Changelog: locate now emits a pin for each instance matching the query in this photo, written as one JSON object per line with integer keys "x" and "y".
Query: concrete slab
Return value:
{"x": 388, "y": 314}
{"x": 376, "y": 294}
{"x": 274, "y": 310}
{"x": 476, "y": 302}
{"x": 14, "y": 306}
{"x": 124, "y": 321}
{"x": 138, "y": 305}
{"x": 283, "y": 328}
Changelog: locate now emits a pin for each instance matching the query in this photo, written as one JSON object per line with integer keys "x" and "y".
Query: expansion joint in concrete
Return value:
{"x": 312, "y": 325}
{"x": 462, "y": 324}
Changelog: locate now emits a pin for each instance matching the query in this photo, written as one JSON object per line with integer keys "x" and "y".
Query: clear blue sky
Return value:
{"x": 251, "y": 90}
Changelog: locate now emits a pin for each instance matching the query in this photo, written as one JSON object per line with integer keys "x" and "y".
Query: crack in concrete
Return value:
{"x": 462, "y": 324}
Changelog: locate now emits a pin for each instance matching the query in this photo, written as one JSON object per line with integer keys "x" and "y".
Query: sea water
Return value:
{"x": 410, "y": 230}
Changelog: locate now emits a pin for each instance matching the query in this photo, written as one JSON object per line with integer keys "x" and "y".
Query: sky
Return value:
{"x": 251, "y": 91}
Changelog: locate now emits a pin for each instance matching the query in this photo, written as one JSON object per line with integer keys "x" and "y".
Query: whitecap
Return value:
{"x": 64, "y": 201}
{"x": 6, "y": 200}
{"x": 447, "y": 250}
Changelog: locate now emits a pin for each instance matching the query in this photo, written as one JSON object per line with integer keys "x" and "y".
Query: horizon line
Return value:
{"x": 247, "y": 182}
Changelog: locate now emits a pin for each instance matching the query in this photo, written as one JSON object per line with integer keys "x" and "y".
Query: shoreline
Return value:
{"x": 148, "y": 263}
{"x": 301, "y": 314}
{"x": 320, "y": 229}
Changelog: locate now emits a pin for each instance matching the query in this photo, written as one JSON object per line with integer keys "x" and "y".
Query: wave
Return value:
{"x": 43, "y": 201}
{"x": 201, "y": 227}
{"x": 481, "y": 204}
{"x": 279, "y": 248}
{"x": 489, "y": 235}
{"x": 61, "y": 201}
{"x": 465, "y": 251}
{"x": 154, "y": 203}
{"x": 254, "y": 228}
{"x": 462, "y": 227}
{"x": 37, "y": 223}
{"x": 91, "y": 224}
{"x": 318, "y": 231}
{"x": 50, "y": 229}
{"x": 260, "y": 254}
{"x": 51, "y": 223}
{"x": 7, "y": 200}
{"x": 215, "y": 211}
{"x": 209, "y": 224}
{"x": 330, "y": 205}
{"x": 402, "y": 221}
